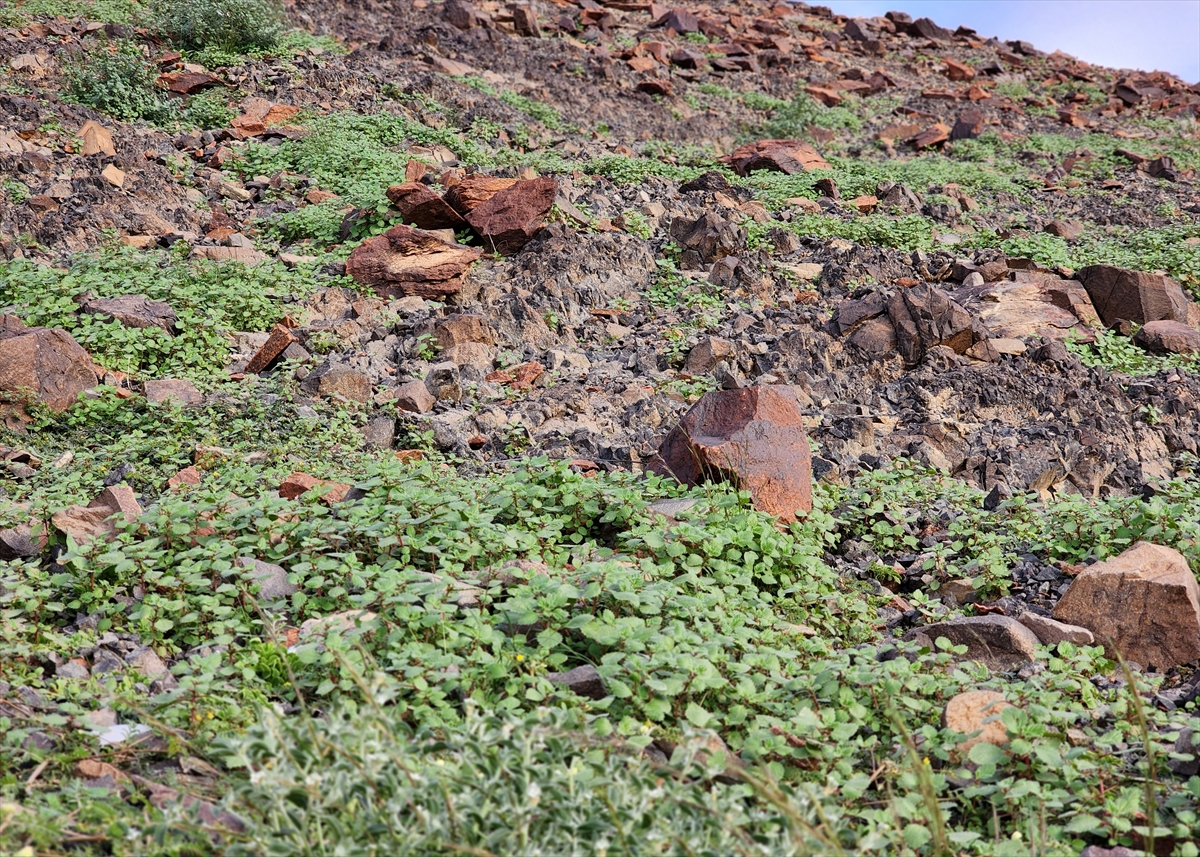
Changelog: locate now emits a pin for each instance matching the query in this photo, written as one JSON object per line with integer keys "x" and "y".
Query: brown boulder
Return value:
{"x": 97, "y": 518}
{"x": 1168, "y": 337}
{"x": 404, "y": 261}
{"x": 463, "y": 327}
{"x": 45, "y": 362}
{"x": 423, "y": 208}
{"x": 753, "y": 438}
{"x": 1145, "y": 603}
{"x": 179, "y": 389}
{"x": 1019, "y": 310}
{"x": 783, "y": 156}
{"x": 1119, "y": 294}
{"x": 509, "y": 219}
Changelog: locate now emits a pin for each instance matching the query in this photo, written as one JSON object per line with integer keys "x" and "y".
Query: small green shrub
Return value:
{"x": 235, "y": 25}
{"x": 209, "y": 110}
{"x": 119, "y": 81}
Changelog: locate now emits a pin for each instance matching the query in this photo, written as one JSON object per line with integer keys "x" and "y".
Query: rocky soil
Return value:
{"x": 752, "y": 243}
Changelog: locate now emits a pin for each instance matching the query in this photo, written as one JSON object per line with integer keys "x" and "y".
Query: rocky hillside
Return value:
{"x": 592, "y": 427}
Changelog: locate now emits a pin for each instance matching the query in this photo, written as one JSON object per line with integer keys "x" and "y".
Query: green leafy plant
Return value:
{"x": 118, "y": 80}
{"x": 233, "y": 25}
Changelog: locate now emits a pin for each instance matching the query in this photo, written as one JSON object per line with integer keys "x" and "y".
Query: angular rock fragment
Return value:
{"x": 474, "y": 190}
{"x": 584, "y": 681}
{"x": 46, "y": 363}
{"x": 783, "y": 156}
{"x": 525, "y": 21}
{"x": 1017, "y": 310}
{"x": 1051, "y": 632}
{"x": 338, "y": 382}
{"x": 506, "y": 222}
{"x": 96, "y": 519}
{"x": 1144, "y": 603}
{"x": 925, "y": 317}
{"x": 754, "y": 438}
{"x": 277, "y": 343}
{"x": 709, "y": 238}
{"x": 423, "y": 208}
{"x": 404, "y": 261}
{"x": 1120, "y": 294}
{"x": 178, "y": 389}
{"x": 706, "y": 354}
{"x": 298, "y": 484}
{"x": 414, "y": 397}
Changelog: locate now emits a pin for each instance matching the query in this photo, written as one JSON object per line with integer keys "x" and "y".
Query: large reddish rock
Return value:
{"x": 1120, "y": 294}
{"x": 132, "y": 311}
{"x": 98, "y": 518}
{"x": 474, "y": 190}
{"x": 405, "y": 261}
{"x": 508, "y": 220}
{"x": 753, "y": 438}
{"x": 1144, "y": 603}
{"x": 423, "y": 208}
{"x": 783, "y": 156}
{"x": 46, "y": 363}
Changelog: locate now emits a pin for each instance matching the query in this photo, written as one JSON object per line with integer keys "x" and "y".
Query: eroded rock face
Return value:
{"x": 45, "y": 362}
{"x": 1145, "y": 603}
{"x": 1134, "y": 296}
{"x": 1168, "y": 337}
{"x": 405, "y": 261}
{"x": 423, "y": 208}
{"x": 1019, "y": 310}
{"x": 753, "y": 438}
{"x": 925, "y": 317}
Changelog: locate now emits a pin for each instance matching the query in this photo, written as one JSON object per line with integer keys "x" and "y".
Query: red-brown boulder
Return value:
{"x": 509, "y": 219}
{"x": 44, "y": 362}
{"x": 753, "y": 438}
{"x": 423, "y": 208}
{"x": 405, "y": 261}
{"x": 1119, "y": 294}
{"x": 782, "y": 156}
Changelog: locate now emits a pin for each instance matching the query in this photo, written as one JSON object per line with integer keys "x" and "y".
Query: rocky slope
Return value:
{"x": 483, "y": 233}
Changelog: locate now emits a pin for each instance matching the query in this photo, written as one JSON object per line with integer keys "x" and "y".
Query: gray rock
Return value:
{"x": 71, "y": 669}
{"x": 340, "y": 382}
{"x": 380, "y": 433}
{"x": 444, "y": 382}
{"x": 1187, "y": 742}
{"x": 583, "y": 681}
{"x": 146, "y": 661}
{"x": 104, "y": 661}
{"x": 1051, "y": 632}
{"x": 272, "y": 579}
{"x": 178, "y": 389}
{"x": 133, "y": 311}
{"x": 1000, "y": 642}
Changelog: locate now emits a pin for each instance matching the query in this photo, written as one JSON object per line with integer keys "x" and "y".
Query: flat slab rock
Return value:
{"x": 753, "y": 438}
{"x": 1145, "y": 603}
{"x": 783, "y": 156}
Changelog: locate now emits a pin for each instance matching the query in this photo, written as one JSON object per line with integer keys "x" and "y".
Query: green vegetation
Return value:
{"x": 119, "y": 81}
{"x": 237, "y": 26}
{"x": 18, "y": 13}
{"x": 538, "y": 110}
{"x": 208, "y": 299}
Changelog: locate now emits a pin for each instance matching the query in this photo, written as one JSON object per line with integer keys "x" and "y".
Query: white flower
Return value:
{"x": 534, "y": 793}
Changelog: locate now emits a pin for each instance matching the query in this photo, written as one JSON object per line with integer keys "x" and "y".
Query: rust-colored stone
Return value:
{"x": 752, "y": 437}
{"x": 1144, "y": 603}
{"x": 472, "y": 191}
{"x": 45, "y": 362}
{"x": 509, "y": 219}
{"x": 405, "y": 261}
{"x": 299, "y": 484}
{"x": 784, "y": 156}
{"x": 275, "y": 345}
{"x": 423, "y": 208}
{"x": 1120, "y": 294}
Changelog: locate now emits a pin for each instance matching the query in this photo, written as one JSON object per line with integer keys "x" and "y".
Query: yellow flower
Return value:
{"x": 520, "y": 657}
{"x": 925, "y": 761}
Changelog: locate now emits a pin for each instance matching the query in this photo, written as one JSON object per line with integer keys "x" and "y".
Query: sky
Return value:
{"x": 1149, "y": 35}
